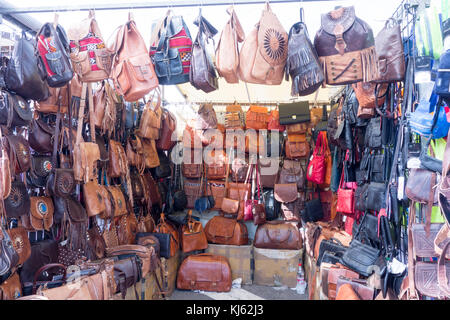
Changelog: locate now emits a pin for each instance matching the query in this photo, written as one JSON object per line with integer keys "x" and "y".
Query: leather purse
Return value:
{"x": 120, "y": 207}
{"x": 19, "y": 154}
{"x": 150, "y": 153}
{"x": 168, "y": 127}
{"x": 132, "y": 69}
{"x": 93, "y": 198}
{"x": 142, "y": 252}
{"x": 292, "y": 113}
{"x": 330, "y": 247}
{"x": 164, "y": 227}
{"x": 365, "y": 94}
{"x": 292, "y": 172}
{"x": 317, "y": 165}
{"x": 345, "y": 201}
{"x": 229, "y": 206}
{"x": 202, "y": 74}
{"x": 205, "y": 272}
{"x": 256, "y": 118}
{"x": 376, "y": 196}
{"x": 296, "y": 146}
{"x": 135, "y": 153}
{"x": 11, "y": 288}
{"x": 361, "y": 258}
{"x": 269, "y": 171}
{"x": 41, "y": 214}
{"x": 41, "y": 135}
{"x": 221, "y": 230}
{"x": 420, "y": 177}
{"x": 227, "y": 51}
{"x": 274, "y": 121}
{"x": 21, "y": 243}
{"x": 216, "y": 165}
{"x": 192, "y": 235}
{"x": 346, "y": 48}
{"x": 190, "y": 167}
{"x": 313, "y": 211}
{"x": 50, "y": 105}
{"x": 372, "y": 138}
{"x": 118, "y": 165}
{"x": 278, "y": 235}
{"x": 150, "y": 123}
{"x": 17, "y": 203}
{"x": 207, "y": 118}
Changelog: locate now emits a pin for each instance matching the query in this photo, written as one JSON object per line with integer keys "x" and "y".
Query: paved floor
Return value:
{"x": 246, "y": 292}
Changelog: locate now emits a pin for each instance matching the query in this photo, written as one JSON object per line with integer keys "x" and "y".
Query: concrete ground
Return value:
{"x": 246, "y": 292}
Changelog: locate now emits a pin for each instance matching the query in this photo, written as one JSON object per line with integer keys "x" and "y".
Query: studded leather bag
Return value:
{"x": 18, "y": 202}
{"x": 41, "y": 214}
{"x": 21, "y": 243}
{"x": 19, "y": 153}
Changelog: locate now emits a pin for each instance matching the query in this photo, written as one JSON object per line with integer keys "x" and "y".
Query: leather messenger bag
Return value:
{"x": 205, "y": 272}
{"x": 221, "y": 230}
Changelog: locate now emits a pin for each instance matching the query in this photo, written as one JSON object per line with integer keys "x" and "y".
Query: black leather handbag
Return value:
{"x": 362, "y": 258}
{"x": 272, "y": 206}
{"x": 297, "y": 112}
{"x": 313, "y": 210}
{"x": 360, "y": 197}
{"x": 372, "y": 137}
{"x": 164, "y": 244}
{"x": 331, "y": 250}
{"x": 14, "y": 110}
{"x": 302, "y": 62}
{"x": 376, "y": 196}
{"x": 23, "y": 74}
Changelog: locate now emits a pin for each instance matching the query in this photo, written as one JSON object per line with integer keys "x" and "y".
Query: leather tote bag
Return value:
{"x": 171, "y": 49}
{"x": 227, "y": 52}
{"x": 202, "y": 74}
{"x": 91, "y": 59}
{"x": 278, "y": 235}
{"x": 264, "y": 52}
{"x": 317, "y": 165}
{"x": 346, "y": 48}
{"x": 52, "y": 49}
{"x": 132, "y": 70}
{"x": 302, "y": 63}
{"x": 23, "y": 74}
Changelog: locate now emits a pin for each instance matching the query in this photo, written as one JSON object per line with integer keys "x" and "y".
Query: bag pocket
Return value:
{"x": 123, "y": 78}
{"x": 170, "y": 65}
{"x": 104, "y": 59}
{"x": 140, "y": 67}
{"x": 54, "y": 62}
{"x": 80, "y": 62}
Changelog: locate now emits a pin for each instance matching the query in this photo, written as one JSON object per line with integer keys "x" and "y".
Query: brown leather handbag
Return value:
{"x": 168, "y": 127}
{"x": 165, "y": 227}
{"x": 192, "y": 191}
{"x": 278, "y": 235}
{"x": 206, "y": 272}
{"x": 297, "y": 128}
{"x": 93, "y": 198}
{"x": 255, "y": 143}
{"x": 221, "y": 230}
{"x": 193, "y": 138}
{"x": 118, "y": 165}
{"x": 292, "y": 172}
{"x": 256, "y": 118}
{"x": 150, "y": 153}
{"x": 192, "y": 235}
{"x": 264, "y": 52}
{"x": 216, "y": 164}
{"x": 144, "y": 253}
{"x": 228, "y": 205}
{"x": 19, "y": 153}
{"x": 50, "y": 105}
{"x": 11, "y": 288}
{"x": 132, "y": 70}
{"x": 153, "y": 195}
{"x": 135, "y": 153}
{"x": 286, "y": 193}
{"x": 20, "y": 243}
{"x": 269, "y": 171}
{"x": 227, "y": 52}
{"x": 296, "y": 146}
{"x": 120, "y": 206}
{"x": 126, "y": 227}
{"x": 41, "y": 214}
{"x": 234, "y": 117}
{"x": 346, "y": 48}
{"x": 365, "y": 94}
{"x": 192, "y": 164}
{"x": 105, "y": 112}
{"x": 41, "y": 135}
{"x": 150, "y": 123}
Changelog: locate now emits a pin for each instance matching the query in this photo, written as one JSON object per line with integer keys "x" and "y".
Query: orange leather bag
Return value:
{"x": 221, "y": 230}
{"x": 150, "y": 123}
{"x": 296, "y": 146}
{"x": 132, "y": 71}
{"x": 93, "y": 198}
{"x": 150, "y": 153}
{"x": 274, "y": 121}
{"x": 227, "y": 52}
{"x": 346, "y": 292}
{"x": 192, "y": 235}
{"x": 118, "y": 164}
{"x": 256, "y": 118}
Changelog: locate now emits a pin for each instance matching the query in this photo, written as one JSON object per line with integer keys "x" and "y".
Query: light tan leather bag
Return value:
{"x": 227, "y": 52}
{"x": 264, "y": 51}
{"x": 132, "y": 72}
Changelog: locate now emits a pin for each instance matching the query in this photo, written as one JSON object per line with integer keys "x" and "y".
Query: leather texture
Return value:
{"x": 168, "y": 127}
{"x": 278, "y": 235}
{"x": 221, "y": 230}
{"x": 192, "y": 236}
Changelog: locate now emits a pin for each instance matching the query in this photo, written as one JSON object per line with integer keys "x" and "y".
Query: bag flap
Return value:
{"x": 230, "y": 206}
{"x": 45, "y": 127}
{"x": 294, "y": 110}
{"x": 221, "y": 227}
{"x": 296, "y": 138}
{"x": 22, "y": 107}
{"x": 286, "y": 192}
{"x": 41, "y": 207}
{"x": 76, "y": 211}
{"x": 161, "y": 56}
{"x": 202, "y": 268}
{"x": 340, "y": 25}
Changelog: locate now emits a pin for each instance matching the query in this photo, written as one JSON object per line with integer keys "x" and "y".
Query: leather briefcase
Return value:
{"x": 206, "y": 272}
{"x": 221, "y": 230}
{"x": 297, "y": 112}
{"x": 278, "y": 235}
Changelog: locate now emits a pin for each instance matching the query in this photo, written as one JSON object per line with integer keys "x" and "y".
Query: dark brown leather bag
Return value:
{"x": 278, "y": 235}
{"x": 144, "y": 253}
{"x": 221, "y": 230}
{"x": 118, "y": 165}
{"x": 40, "y": 136}
{"x": 168, "y": 127}
{"x": 269, "y": 171}
{"x": 192, "y": 235}
{"x": 19, "y": 154}
{"x": 286, "y": 192}
{"x": 11, "y": 288}
{"x": 192, "y": 191}
{"x": 189, "y": 167}
{"x": 292, "y": 172}
{"x": 150, "y": 153}
{"x": 135, "y": 153}
{"x": 206, "y": 272}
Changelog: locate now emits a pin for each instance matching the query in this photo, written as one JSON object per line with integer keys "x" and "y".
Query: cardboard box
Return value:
{"x": 239, "y": 257}
{"x": 276, "y": 268}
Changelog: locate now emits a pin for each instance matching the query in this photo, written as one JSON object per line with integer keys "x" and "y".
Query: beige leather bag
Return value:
{"x": 133, "y": 72}
{"x": 264, "y": 51}
{"x": 227, "y": 52}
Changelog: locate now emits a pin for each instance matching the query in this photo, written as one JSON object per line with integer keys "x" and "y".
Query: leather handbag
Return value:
{"x": 361, "y": 258}
{"x": 345, "y": 201}
{"x": 259, "y": 208}
{"x": 52, "y": 49}
{"x": 229, "y": 205}
{"x": 17, "y": 203}
{"x": 41, "y": 214}
{"x": 191, "y": 188}
{"x": 164, "y": 227}
{"x": 20, "y": 242}
{"x": 372, "y": 138}
{"x": 264, "y": 51}
{"x": 11, "y": 288}
{"x": 150, "y": 123}
{"x": 142, "y": 252}
{"x": 19, "y": 154}
{"x": 132, "y": 70}
{"x": 126, "y": 274}
{"x": 190, "y": 167}
{"x": 292, "y": 172}
{"x": 23, "y": 75}
{"x": 420, "y": 177}
{"x": 61, "y": 182}
{"x": 168, "y": 127}
{"x": 234, "y": 118}
{"x": 333, "y": 275}
{"x": 192, "y": 235}
{"x": 93, "y": 198}
{"x": 216, "y": 164}
{"x": 332, "y": 247}
{"x": 297, "y": 128}
{"x": 221, "y": 230}
{"x": 269, "y": 171}
{"x": 390, "y": 53}
{"x": 365, "y": 94}
{"x": 256, "y": 118}
{"x": 40, "y": 136}
{"x": 171, "y": 49}
{"x": 135, "y": 153}
{"x": 150, "y": 153}
{"x": 274, "y": 121}
{"x": 317, "y": 165}
{"x": 165, "y": 241}
{"x": 205, "y": 272}
{"x": 313, "y": 211}
{"x": 106, "y": 102}
{"x": 239, "y": 168}
{"x": 15, "y": 111}
{"x": 91, "y": 59}
{"x": 292, "y": 113}
{"x": 278, "y": 235}
{"x": 207, "y": 118}
{"x": 50, "y": 105}
{"x": 227, "y": 51}
{"x": 376, "y": 196}
{"x": 296, "y": 146}
{"x": 360, "y": 287}
{"x": 302, "y": 62}
{"x": 202, "y": 74}
{"x": 346, "y": 47}
{"x": 118, "y": 165}
{"x": 272, "y": 207}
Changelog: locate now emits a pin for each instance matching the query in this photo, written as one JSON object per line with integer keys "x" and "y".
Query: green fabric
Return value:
{"x": 428, "y": 33}
{"x": 445, "y": 8}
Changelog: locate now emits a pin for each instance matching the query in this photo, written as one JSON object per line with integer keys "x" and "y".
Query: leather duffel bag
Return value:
{"x": 206, "y": 272}
{"x": 278, "y": 235}
{"x": 221, "y": 230}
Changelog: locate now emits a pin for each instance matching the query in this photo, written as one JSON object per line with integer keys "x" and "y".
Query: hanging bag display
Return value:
{"x": 302, "y": 62}
{"x": 150, "y": 123}
{"x": 292, "y": 113}
{"x": 171, "y": 49}
{"x": 317, "y": 164}
{"x": 227, "y": 52}
{"x": 345, "y": 200}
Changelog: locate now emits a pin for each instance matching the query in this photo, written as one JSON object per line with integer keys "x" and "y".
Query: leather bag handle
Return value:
{"x": 45, "y": 268}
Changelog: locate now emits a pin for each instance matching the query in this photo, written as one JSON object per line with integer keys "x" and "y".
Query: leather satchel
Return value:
{"x": 202, "y": 74}
{"x": 227, "y": 52}
{"x": 216, "y": 165}
{"x": 132, "y": 70}
{"x": 15, "y": 111}
{"x": 365, "y": 94}
{"x": 23, "y": 75}
{"x": 165, "y": 227}
{"x": 192, "y": 235}
{"x": 286, "y": 193}
{"x": 292, "y": 172}
{"x": 168, "y": 127}
{"x": 296, "y": 146}
{"x": 221, "y": 230}
{"x": 150, "y": 123}
{"x": 256, "y": 118}
{"x": 41, "y": 135}
{"x": 118, "y": 165}
{"x": 234, "y": 118}
{"x": 11, "y": 288}
{"x": 269, "y": 171}
{"x": 313, "y": 211}
{"x": 302, "y": 62}
{"x": 41, "y": 214}
{"x": 144, "y": 253}
{"x": 292, "y": 113}
{"x": 376, "y": 196}
{"x": 205, "y": 272}
{"x": 93, "y": 198}
{"x": 17, "y": 203}
{"x": 278, "y": 235}
{"x": 346, "y": 48}
{"x": 264, "y": 52}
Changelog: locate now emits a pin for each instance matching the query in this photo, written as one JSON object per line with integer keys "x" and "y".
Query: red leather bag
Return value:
{"x": 168, "y": 127}
{"x": 274, "y": 121}
{"x": 317, "y": 165}
{"x": 345, "y": 198}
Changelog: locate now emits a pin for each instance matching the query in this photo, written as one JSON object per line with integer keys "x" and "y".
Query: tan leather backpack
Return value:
{"x": 132, "y": 72}
{"x": 264, "y": 51}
